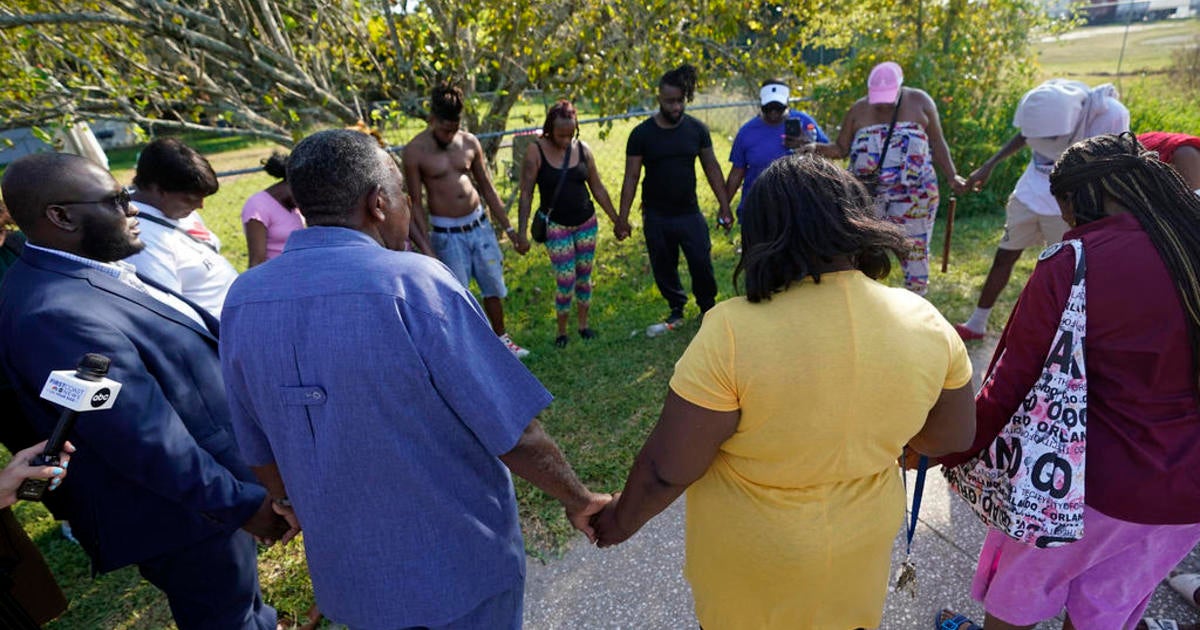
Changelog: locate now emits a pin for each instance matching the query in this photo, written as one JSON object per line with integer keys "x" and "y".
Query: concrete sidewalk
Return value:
{"x": 640, "y": 584}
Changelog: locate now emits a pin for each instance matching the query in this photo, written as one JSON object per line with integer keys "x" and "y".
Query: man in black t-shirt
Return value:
{"x": 668, "y": 144}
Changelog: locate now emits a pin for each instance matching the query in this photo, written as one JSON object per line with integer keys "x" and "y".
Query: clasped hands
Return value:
{"x": 622, "y": 229}
{"x": 597, "y": 520}
{"x": 272, "y": 522}
{"x": 519, "y": 242}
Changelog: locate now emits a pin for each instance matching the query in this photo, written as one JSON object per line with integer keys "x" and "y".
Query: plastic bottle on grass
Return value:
{"x": 660, "y": 328}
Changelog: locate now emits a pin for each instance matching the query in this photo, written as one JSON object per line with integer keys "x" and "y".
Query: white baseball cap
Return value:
{"x": 774, "y": 93}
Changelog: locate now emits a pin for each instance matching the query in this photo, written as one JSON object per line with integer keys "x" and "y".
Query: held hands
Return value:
{"x": 978, "y": 179}
{"x": 520, "y": 243}
{"x": 581, "y": 516}
{"x": 268, "y": 526}
{"x": 961, "y": 186}
{"x": 288, "y": 515}
{"x": 910, "y": 459}
{"x": 622, "y": 229}
{"x": 608, "y": 531}
{"x": 725, "y": 219}
{"x": 19, "y": 469}
{"x": 799, "y": 145}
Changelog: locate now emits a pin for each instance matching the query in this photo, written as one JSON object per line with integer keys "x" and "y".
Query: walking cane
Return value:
{"x": 949, "y": 234}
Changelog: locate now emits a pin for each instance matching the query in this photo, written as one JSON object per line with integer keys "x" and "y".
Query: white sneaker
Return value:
{"x": 517, "y": 351}
{"x": 1186, "y": 584}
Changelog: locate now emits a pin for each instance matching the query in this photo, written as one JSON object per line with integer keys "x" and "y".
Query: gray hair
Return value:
{"x": 331, "y": 170}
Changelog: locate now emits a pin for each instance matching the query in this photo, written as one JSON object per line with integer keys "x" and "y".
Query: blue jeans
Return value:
{"x": 474, "y": 254}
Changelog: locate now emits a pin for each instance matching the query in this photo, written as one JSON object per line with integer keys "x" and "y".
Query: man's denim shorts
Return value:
{"x": 473, "y": 254}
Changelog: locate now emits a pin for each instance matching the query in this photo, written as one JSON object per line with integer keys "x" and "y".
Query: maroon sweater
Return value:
{"x": 1143, "y": 431}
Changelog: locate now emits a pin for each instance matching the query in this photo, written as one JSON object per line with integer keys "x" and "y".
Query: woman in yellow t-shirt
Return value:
{"x": 788, "y": 411}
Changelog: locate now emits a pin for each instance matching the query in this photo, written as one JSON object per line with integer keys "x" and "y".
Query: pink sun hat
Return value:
{"x": 884, "y": 83}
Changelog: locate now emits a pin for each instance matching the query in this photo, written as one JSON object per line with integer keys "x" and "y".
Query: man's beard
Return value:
{"x": 668, "y": 116}
{"x": 107, "y": 245}
{"x": 441, "y": 145}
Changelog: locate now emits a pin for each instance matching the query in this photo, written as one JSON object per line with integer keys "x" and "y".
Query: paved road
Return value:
{"x": 640, "y": 584}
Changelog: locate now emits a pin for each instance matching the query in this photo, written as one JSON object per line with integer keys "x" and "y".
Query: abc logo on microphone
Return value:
{"x": 65, "y": 389}
{"x": 101, "y": 397}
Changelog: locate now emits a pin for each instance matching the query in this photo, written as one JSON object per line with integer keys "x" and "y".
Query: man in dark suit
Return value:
{"x": 157, "y": 480}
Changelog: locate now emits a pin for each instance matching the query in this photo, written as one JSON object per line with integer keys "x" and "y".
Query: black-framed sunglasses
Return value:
{"x": 119, "y": 200}
{"x": 773, "y": 107}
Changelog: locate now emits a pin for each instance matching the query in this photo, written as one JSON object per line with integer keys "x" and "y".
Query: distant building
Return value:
{"x": 1120, "y": 11}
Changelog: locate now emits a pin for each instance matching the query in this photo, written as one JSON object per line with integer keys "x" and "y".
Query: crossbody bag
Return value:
{"x": 871, "y": 180}
{"x": 537, "y": 231}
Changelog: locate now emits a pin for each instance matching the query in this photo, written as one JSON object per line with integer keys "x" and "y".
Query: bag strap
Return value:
{"x": 918, "y": 490}
{"x": 165, "y": 223}
{"x": 561, "y": 177}
{"x": 887, "y": 141}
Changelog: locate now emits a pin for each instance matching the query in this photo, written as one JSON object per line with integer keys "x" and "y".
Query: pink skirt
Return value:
{"x": 1104, "y": 581}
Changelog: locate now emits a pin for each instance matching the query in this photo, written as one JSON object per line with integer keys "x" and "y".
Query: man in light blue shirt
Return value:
{"x": 371, "y": 396}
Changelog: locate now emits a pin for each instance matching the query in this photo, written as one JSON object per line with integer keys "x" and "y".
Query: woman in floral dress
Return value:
{"x": 905, "y": 184}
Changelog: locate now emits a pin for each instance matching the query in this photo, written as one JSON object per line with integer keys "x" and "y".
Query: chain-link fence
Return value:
{"x": 606, "y": 136}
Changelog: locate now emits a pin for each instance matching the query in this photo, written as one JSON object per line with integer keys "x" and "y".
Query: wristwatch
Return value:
{"x": 510, "y": 230}
{"x": 281, "y": 501}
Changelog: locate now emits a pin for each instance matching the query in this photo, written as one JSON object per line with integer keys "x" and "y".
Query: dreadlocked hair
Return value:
{"x": 802, "y": 213}
{"x": 1117, "y": 167}
{"x": 446, "y": 102}
{"x": 684, "y": 77}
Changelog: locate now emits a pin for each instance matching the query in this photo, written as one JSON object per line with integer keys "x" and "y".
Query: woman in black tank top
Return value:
{"x": 566, "y": 176}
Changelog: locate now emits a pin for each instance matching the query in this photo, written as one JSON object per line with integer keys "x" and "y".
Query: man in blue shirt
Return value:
{"x": 371, "y": 396}
{"x": 763, "y": 140}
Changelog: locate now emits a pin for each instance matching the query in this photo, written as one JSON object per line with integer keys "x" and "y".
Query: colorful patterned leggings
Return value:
{"x": 572, "y": 250}
{"x": 914, "y": 212}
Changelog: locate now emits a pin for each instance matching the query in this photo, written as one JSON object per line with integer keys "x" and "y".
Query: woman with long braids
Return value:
{"x": 1140, "y": 228}
{"x": 786, "y": 414}
{"x": 571, "y": 229}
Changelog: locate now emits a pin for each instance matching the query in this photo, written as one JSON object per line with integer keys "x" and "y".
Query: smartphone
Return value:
{"x": 791, "y": 128}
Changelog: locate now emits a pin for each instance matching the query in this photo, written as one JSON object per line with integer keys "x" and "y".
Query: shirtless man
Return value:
{"x": 443, "y": 160}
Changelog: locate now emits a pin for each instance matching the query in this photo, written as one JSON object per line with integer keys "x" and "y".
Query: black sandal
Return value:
{"x": 587, "y": 333}
{"x": 561, "y": 341}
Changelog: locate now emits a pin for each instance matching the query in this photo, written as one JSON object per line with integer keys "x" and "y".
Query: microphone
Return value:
{"x": 83, "y": 389}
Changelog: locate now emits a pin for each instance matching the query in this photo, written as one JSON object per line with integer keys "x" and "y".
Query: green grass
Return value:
{"x": 1092, "y": 54}
{"x": 608, "y": 391}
